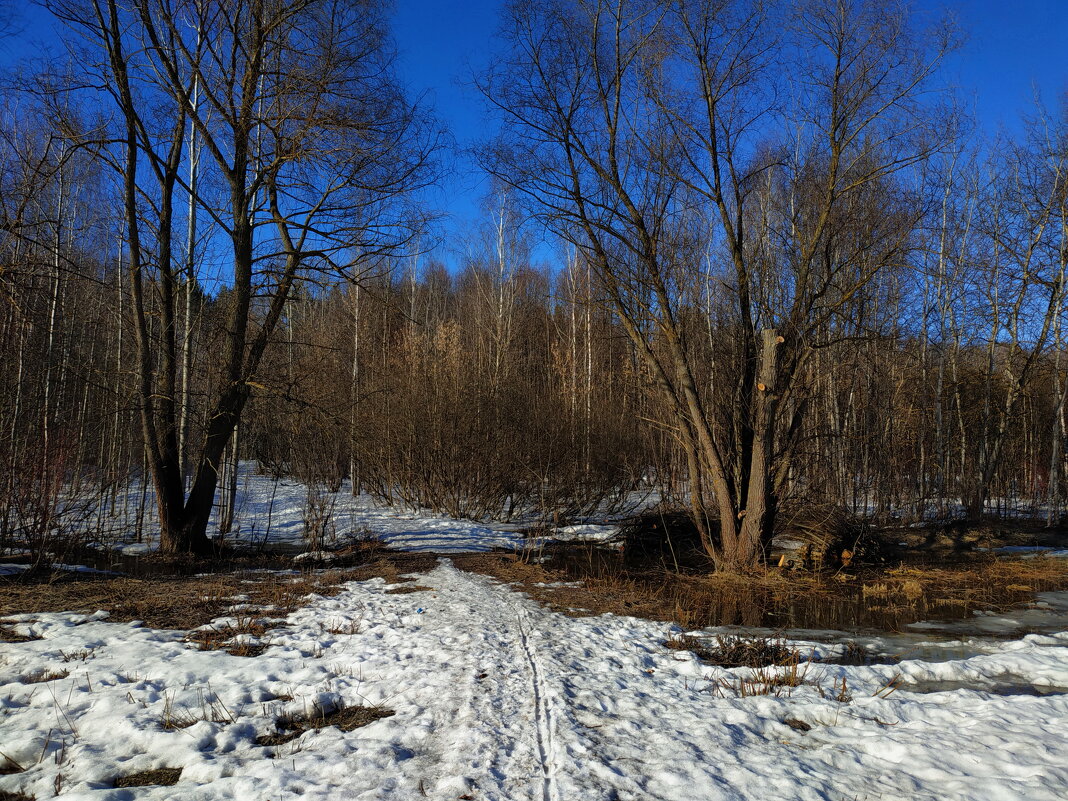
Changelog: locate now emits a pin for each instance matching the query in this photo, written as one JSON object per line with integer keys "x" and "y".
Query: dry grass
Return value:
{"x": 7, "y": 795}
{"x": 42, "y": 675}
{"x": 344, "y": 717}
{"x": 81, "y": 655}
{"x": 404, "y": 589}
{"x": 231, "y": 637}
{"x": 9, "y": 635}
{"x": 730, "y": 652}
{"x": 8, "y": 766}
{"x": 597, "y": 582}
{"x": 172, "y": 603}
{"x": 210, "y": 708}
{"x": 185, "y": 602}
{"x": 346, "y": 627}
{"x": 768, "y": 681}
{"x": 163, "y": 777}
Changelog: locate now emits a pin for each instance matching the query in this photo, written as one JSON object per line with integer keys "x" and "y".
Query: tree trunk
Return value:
{"x": 758, "y": 515}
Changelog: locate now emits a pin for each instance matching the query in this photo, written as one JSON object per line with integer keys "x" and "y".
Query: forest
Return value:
{"x": 753, "y": 258}
{"x": 671, "y": 408}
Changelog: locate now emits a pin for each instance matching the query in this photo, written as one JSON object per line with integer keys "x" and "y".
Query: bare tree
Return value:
{"x": 1025, "y": 224}
{"x": 644, "y": 164}
{"x": 314, "y": 151}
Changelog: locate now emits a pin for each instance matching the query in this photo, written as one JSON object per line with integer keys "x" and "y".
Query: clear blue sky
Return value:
{"x": 1012, "y": 47}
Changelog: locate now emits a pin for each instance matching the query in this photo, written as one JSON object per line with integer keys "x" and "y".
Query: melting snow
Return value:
{"x": 498, "y": 698}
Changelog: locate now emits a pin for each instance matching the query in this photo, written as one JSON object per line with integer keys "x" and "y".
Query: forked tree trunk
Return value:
{"x": 758, "y": 516}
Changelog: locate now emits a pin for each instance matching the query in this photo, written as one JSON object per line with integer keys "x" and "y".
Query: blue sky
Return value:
{"x": 1012, "y": 47}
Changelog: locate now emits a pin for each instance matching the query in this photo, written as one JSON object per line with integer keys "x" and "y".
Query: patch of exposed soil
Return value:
{"x": 345, "y": 718}
{"x": 163, "y": 777}
{"x": 405, "y": 589}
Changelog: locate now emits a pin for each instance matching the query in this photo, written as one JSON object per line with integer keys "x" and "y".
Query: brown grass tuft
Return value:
{"x": 163, "y": 777}
{"x": 9, "y": 635}
{"x": 344, "y": 717}
{"x": 42, "y": 675}
{"x": 730, "y": 652}
{"x": 404, "y": 589}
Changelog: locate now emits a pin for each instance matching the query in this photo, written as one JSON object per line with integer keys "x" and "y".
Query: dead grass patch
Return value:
{"x": 404, "y": 589}
{"x": 42, "y": 675}
{"x": 7, "y": 795}
{"x": 731, "y": 652}
{"x": 163, "y": 602}
{"x": 596, "y": 581}
{"x": 209, "y": 707}
{"x": 346, "y": 627}
{"x": 771, "y": 680}
{"x": 344, "y": 717}
{"x": 231, "y": 637}
{"x": 9, "y": 635}
{"x": 162, "y": 777}
{"x": 80, "y": 655}
{"x": 172, "y": 603}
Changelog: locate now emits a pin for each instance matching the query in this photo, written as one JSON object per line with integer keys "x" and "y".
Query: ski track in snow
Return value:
{"x": 499, "y": 699}
{"x": 542, "y": 715}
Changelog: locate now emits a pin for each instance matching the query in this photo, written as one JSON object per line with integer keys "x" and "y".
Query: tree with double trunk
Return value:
{"x": 756, "y": 152}
{"x": 311, "y": 156}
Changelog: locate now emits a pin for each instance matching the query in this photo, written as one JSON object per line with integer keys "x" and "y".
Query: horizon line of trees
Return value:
{"x": 770, "y": 295}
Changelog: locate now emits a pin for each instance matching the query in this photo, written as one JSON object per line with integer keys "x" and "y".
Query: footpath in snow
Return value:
{"x": 495, "y": 697}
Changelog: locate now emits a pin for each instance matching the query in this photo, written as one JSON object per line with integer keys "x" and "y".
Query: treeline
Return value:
{"x": 868, "y": 315}
{"x": 498, "y": 390}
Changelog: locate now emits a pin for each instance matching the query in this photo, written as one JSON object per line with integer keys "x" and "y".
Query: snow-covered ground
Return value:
{"x": 497, "y": 698}
{"x": 272, "y": 512}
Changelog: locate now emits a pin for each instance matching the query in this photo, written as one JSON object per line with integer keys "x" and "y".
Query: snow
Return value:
{"x": 271, "y": 512}
{"x": 1032, "y": 551}
{"x": 585, "y": 531}
{"x": 496, "y": 697}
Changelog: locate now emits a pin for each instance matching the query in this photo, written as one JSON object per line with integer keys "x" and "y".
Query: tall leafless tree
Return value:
{"x": 314, "y": 153}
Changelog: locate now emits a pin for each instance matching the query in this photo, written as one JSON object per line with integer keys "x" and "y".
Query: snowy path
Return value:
{"x": 498, "y": 699}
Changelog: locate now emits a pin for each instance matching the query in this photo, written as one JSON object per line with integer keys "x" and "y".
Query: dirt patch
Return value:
{"x": 345, "y": 718}
{"x": 163, "y": 777}
{"x": 404, "y": 589}
{"x": 8, "y": 634}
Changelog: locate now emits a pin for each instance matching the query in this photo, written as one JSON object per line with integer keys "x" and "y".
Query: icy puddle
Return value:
{"x": 494, "y": 697}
